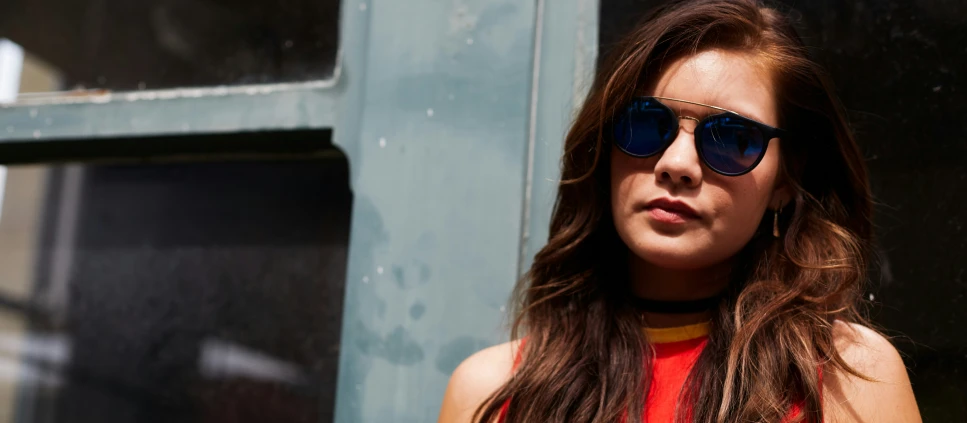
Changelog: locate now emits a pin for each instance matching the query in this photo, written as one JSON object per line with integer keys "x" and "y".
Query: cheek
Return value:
{"x": 740, "y": 211}
{"x": 739, "y": 204}
{"x": 744, "y": 200}
{"x": 628, "y": 175}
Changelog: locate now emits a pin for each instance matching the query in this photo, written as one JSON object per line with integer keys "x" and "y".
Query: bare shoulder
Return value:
{"x": 475, "y": 379}
{"x": 884, "y": 395}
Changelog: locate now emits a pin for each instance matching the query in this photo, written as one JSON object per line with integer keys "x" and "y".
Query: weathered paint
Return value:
{"x": 437, "y": 173}
{"x": 452, "y": 119}
{"x": 566, "y": 54}
{"x": 164, "y": 112}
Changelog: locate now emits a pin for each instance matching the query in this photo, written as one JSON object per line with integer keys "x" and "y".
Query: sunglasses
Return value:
{"x": 728, "y": 143}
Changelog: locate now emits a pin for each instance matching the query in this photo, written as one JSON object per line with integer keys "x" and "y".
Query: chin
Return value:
{"x": 679, "y": 253}
{"x": 673, "y": 259}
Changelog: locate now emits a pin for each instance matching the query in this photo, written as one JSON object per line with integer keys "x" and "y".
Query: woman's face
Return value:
{"x": 728, "y": 209}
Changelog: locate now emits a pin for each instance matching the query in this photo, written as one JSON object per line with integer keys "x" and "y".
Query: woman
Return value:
{"x": 708, "y": 246}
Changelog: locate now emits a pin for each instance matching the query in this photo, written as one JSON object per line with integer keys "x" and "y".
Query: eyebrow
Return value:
{"x": 745, "y": 115}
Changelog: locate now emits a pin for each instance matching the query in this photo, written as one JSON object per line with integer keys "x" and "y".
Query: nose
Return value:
{"x": 679, "y": 164}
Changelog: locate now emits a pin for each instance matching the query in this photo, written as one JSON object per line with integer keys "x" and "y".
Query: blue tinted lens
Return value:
{"x": 730, "y": 144}
{"x": 644, "y": 128}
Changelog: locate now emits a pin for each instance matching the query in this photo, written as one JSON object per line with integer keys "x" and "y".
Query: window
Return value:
{"x": 122, "y": 45}
{"x": 206, "y": 289}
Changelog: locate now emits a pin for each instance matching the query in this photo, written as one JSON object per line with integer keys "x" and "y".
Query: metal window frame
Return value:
{"x": 390, "y": 225}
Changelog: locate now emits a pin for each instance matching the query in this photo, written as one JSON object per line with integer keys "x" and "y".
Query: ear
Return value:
{"x": 781, "y": 195}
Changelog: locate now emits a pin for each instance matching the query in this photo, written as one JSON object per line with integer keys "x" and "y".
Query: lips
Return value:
{"x": 671, "y": 211}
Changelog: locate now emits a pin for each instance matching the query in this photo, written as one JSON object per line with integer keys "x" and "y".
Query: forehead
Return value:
{"x": 726, "y": 79}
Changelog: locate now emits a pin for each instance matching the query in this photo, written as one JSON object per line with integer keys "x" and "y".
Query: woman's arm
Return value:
{"x": 475, "y": 380}
{"x": 888, "y": 398}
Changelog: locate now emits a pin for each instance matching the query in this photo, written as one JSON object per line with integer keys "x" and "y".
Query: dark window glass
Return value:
{"x": 172, "y": 292}
{"x": 130, "y": 45}
{"x": 897, "y": 67}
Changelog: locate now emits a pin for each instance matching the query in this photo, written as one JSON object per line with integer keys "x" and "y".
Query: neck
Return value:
{"x": 657, "y": 283}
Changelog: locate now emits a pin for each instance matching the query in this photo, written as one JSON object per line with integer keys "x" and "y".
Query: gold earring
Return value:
{"x": 775, "y": 221}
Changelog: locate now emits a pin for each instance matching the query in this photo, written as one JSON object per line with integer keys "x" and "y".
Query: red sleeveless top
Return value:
{"x": 676, "y": 351}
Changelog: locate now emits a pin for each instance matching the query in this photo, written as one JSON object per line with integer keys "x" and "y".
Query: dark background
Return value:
{"x": 899, "y": 69}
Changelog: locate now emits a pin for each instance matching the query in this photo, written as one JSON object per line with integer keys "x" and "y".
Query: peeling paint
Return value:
{"x": 462, "y": 19}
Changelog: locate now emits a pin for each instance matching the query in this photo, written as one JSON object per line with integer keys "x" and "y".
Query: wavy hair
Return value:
{"x": 586, "y": 358}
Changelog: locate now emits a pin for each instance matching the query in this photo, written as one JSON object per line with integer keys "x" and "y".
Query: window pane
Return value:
{"x": 193, "y": 292}
{"x": 153, "y": 44}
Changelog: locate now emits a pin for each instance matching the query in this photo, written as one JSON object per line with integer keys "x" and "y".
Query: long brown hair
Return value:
{"x": 586, "y": 358}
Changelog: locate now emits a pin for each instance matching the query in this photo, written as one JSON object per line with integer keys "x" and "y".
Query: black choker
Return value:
{"x": 674, "y": 307}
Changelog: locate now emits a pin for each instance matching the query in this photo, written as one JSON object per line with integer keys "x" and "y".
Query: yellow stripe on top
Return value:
{"x": 677, "y": 334}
